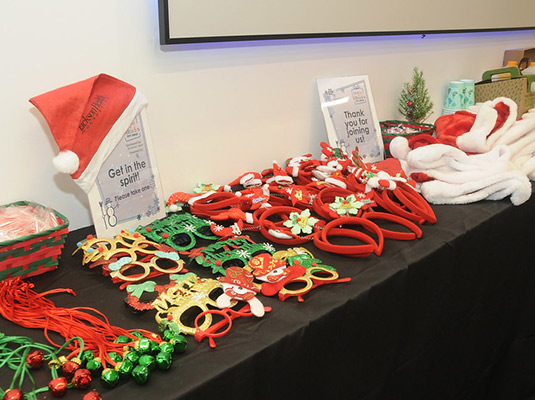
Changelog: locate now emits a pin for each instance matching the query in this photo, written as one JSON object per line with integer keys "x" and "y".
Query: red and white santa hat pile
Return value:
{"x": 484, "y": 153}
{"x": 88, "y": 119}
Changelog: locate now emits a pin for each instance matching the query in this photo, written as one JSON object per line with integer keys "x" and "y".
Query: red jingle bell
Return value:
{"x": 58, "y": 386}
{"x": 92, "y": 396}
{"x": 69, "y": 368}
{"x": 34, "y": 359}
{"x": 13, "y": 394}
{"x": 81, "y": 379}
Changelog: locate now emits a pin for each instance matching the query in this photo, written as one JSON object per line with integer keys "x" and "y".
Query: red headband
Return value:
{"x": 416, "y": 231}
{"x": 333, "y": 228}
{"x": 412, "y": 205}
{"x": 325, "y": 198}
{"x": 279, "y": 232}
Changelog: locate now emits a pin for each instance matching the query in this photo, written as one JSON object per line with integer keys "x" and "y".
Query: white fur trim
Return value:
{"x": 496, "y": 187}
{"x": 336, "y": 182}
{"x": 475, "y": 140}
{"x": 114, "y": 136}
{"x": 524, "y": 146}
{"x": 449, "y": 164}
{"x": 66, "y": 162}
{"x": 513, "y": 113}
{"x": 284, "y": 180}
{"x": 432, "y": 156}
{"x": 519, "y": 130}
{"x": 319, "y": 175}
{"x": 399, "y": 148}
{"x": 246, "y": 178}
{"x": 529, "y": 168}
{"x": 250, "y": 180}
{"x": 199, "y": 197}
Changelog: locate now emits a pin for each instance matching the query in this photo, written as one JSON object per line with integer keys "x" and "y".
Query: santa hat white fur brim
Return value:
{"x": 517, "y": 131}
{"x": 513, "y": 115}
{"x": 479, "y": 138}
{"x": 496, "y": 187}
{"x": 449, "y": 164}
{"x": 475, "y": 140}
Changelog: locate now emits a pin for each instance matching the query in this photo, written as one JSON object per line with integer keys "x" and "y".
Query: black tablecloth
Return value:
{"x": 449, "y": 316}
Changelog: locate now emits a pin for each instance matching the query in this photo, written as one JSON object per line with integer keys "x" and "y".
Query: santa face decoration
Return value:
{"x": 274, "y": 275}
{"x": 238, "y": 285}
{"x": 237, "y": 292}
{"x": 267, "y": 269}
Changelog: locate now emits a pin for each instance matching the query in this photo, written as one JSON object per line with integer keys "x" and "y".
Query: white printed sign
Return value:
{"x": 349, "y": 115}
{"x": 127, "y": 191}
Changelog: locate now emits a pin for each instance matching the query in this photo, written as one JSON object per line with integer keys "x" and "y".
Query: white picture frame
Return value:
{"x": 127, "y": 192}
{"x": 349, "y": 115}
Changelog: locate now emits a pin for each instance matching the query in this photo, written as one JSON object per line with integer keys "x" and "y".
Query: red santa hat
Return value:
{"x": 477, "y": 132}
{"x": 239, "y": 277}
{"x": 88, "y": 119}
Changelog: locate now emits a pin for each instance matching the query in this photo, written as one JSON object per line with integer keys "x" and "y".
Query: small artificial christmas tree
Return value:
{"x": 414, "y": 101}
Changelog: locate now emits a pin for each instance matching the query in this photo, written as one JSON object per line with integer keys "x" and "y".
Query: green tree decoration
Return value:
{"x": 414, "y": 101}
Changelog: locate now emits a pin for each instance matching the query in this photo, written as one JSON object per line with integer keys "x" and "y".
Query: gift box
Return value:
{"x": 33, "y": 254}
{"x": 393, "y": 129}
{"x": 507, "y": 82}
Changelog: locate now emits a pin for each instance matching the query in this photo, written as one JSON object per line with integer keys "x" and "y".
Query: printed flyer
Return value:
{"x": 127, "y": 192}
{"x": 349, "y": 115}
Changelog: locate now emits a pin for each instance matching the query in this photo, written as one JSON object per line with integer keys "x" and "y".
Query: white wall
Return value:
{"x": 215, "y": 110}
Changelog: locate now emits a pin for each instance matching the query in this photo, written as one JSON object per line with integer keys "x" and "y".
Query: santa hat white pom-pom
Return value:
{"x": 66, "y": 162}
{"x": 399, "y": 148}
{"x": 173, "y": 208}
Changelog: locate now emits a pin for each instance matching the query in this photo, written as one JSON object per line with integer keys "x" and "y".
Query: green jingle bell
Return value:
{"x": 94, "y": 366}
{"x": 154, "y": 347}
{"x": 148, "y": 361}
{"x": 124, "y": 368}
{"x": 167, "y": 347}
{"x": 137, "y": 334}
{"x": 109, "y": 378}
{"x": 123, "y": 339}
{"x": 164, "y": 360}
{"x": 167, "y": 335}
{"x": 140, "y": 374}
{"x": 115, "y": 356}
{"x": 132, "y": 356}
{"x": 143, "y": 346}
{"x": 179, "y": 343}
{"x": 86, "y": 357}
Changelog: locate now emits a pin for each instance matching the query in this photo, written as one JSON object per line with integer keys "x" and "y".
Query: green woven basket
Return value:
{"x": 33, "y": 254}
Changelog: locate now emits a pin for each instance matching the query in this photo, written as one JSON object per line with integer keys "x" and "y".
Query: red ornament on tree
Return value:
{"x": 69, "y": 368}
{"x": 92, "y": 396}
{"x": 13, "y": 394}
{"x": 34, "y": 359}
{"x": 410, "y": 103}
{"x": 58, "y": 386}
{"x": 81, "y": 379}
